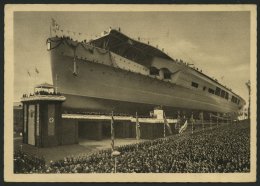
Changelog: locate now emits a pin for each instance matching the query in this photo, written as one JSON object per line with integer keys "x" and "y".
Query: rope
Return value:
{"x": 70, "y": 44}
{"x": 91, "y": 50}
{"x": 103, "y": 52}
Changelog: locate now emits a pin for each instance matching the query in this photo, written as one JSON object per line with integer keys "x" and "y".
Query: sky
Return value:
{"x": 216, "y": 42}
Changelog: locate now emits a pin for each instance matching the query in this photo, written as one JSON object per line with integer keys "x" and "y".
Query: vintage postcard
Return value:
{"x": 130, "y": 93}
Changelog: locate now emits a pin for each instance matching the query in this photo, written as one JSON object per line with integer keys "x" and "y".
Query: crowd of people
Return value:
{"x": 223, "y": 149}
{"x": 25, "y": 163}
{"x": 42, "y": 92}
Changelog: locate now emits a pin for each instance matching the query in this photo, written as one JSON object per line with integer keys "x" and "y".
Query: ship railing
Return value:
{"x": 42, "y": 93}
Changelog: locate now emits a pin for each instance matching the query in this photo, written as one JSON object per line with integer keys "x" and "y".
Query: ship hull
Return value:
{"x": 99, "y": 87}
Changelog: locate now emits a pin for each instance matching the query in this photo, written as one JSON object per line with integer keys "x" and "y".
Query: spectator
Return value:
{"x": 225, "y": 149}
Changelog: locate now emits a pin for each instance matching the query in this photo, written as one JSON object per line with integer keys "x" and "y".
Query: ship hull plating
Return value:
{"x": 99, "y": 87}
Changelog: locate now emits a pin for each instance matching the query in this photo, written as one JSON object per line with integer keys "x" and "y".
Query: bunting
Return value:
{"x": 36, "y": 70}
{"x": 54, "y": 25}
{"x": 61, "y": 32}
{"x": 29, "y": 74}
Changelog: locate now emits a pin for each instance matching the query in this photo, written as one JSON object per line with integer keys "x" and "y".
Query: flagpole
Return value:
{"x": 164, "y": 126}
{"x": 210, "y": 120}
{"x": 112, "y": 132}
{"x": 56, "y": 88}
{"x": 136, "y": 127}
{"x": 202, "y": 120}
{"x": 50, "y": 30}
{"x": 115, "y": 164}
{"x": 178, "y": 121}
{"x": 137, "y": 130}
{"x": 191, "y": 127}
{"x": 28, "y": 83}
{"x": 217, "y": 121}
{"x": 192, "y": 122}
{"x": 34, "y": 81}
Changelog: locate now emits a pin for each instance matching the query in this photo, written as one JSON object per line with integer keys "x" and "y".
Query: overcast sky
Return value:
{"x": 216, "y": 42}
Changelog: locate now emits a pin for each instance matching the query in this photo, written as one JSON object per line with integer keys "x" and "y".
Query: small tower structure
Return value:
{"x": 42, "y": 117}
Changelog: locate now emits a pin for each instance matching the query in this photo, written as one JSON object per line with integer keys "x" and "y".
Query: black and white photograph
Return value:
{"x": 130, "y": 93}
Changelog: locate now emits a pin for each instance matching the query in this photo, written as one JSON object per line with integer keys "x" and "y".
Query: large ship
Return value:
{"x": 116, "y": 72}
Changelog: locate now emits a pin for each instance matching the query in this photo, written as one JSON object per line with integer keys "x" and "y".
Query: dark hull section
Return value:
{"x": 99, "y": 87}
{"x": 104, "y": 105}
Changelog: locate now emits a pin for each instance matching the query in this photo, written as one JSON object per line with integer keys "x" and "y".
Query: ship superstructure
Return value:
{"x": 116, "y": 72}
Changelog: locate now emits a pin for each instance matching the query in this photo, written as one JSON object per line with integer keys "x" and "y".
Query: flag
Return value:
{"x": 137, "y": 128}
{"x": 36, "y": 70}
{"x": 28, "y": 73}
{"x": 112, "y": 132}
{"x": 183, "y": 127}
{"x": 167, "y": 124}
{"x": 54, "y": 25}
{"x": 53, "y": 22}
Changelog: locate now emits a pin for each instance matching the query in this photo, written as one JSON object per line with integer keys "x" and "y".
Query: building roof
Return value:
{"x": 44, "y": 85}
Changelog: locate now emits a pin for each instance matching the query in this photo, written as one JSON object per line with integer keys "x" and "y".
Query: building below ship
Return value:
{"x": 45, "y": 124}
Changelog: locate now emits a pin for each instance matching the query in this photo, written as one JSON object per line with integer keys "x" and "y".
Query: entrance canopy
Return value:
{"x": 44, "y": 85}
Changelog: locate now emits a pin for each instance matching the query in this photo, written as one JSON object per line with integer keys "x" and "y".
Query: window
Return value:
{"x": 226, "y": 96}
{"x": 211, "y": 91}
{"x": 218, "y": 91}
{"x": 194, "y": 84}
{"x": 167, "y": 75}
{"x": 222, "y": 93}
{"x": 204, "y": 88}
{"x": 154, "y": 71}
{"x": 234, "y": 99}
